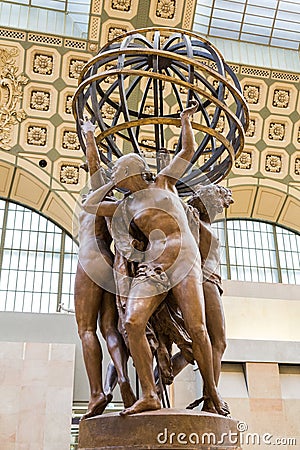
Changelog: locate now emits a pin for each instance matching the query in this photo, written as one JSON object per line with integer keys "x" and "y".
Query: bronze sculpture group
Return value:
{"x": 160, "y": 284}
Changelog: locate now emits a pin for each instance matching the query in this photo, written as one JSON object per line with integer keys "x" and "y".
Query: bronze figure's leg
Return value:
{"x": 87, "y": 304}
{"x": 216, "y": 330}
{"x": 192, "y": 307}
{"x": 115, "y": 344}
{"x": 139, "y": 310}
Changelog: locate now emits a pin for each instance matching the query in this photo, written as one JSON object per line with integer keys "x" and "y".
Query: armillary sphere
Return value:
{"x": 136, "y": 87}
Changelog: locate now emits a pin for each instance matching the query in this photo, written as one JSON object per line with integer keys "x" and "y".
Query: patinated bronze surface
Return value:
{"x": 93, "y": 301}
{"x": 148, "y": 259}
{"x": 171, "y": 261}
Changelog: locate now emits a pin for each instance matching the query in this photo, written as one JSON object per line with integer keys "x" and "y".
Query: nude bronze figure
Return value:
{"x": 93, "y": 301}
{"x": 171, "y": 261}
{"x": 209, "y": 201}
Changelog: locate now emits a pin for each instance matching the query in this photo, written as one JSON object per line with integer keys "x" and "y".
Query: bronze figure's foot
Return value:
{"x": 109, "y": 397}
{"x": 127, "y": 394}
{"x": 208, "y": 406}
{"x": 196, "y": 402}
{"x": 144, "y": 404}
{"x": 222, "y": 408}
{"x": 96, "y": 407}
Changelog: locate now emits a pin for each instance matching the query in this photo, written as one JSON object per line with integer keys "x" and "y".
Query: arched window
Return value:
{"x": 37, "y": 262}
{"x": 258, "y": 251}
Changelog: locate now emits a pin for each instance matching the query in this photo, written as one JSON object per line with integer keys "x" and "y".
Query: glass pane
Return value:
{"x": 30, "y": 266}
{"x": 29, "y": 282}
{"x": 255, "y": 38}
{"x": 224, "y": 33}
{"x": 284, "y": 43}
{"x": 259, "y": 21}
{"x": 266, "y": 3}
{"x": 53, "y": 4}
{"x": 203, "y": 10}
{"x": 229, "y": 5}
{"x": 27, "y": 302}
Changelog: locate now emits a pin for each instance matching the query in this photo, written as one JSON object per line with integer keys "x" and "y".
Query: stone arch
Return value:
{"x": 29, "y": 186}
{"x": 267, "y": 201}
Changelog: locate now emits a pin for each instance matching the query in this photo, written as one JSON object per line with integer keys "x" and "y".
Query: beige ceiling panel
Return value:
{"x": 277, "y": 131}
{"x": 57, "y": 210}
{"x": 268, "y": 204}
{"x": 165, "y": 12}
{"x": 295, "y": 191}
{"x": 123, "y": 9}
{"x": 278, "y": 185}
{"x": 243, "y": 201}
{"x": 6, "y": 175}
{"x": 43, "y": 64}
{"x": 188, "y": 15}
{"x": 296, "y": 135}
{"x": 32, "y": 167}
{"x": 255, "y": 93}
{"x": 73, "y": 201}
{"x": 7, "y": 157}
{"x": 96, "y": 7}
{"x": 94, "y": 31}
{"x": 241, "y": 181}
{"x": 290, "y": 216}
{"x": 38, "y": 163}
{"x": 28, "y": 190}
{"x": 113, "y": 28}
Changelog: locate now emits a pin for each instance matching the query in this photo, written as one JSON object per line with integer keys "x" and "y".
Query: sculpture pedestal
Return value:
{"x": 156, "y": 430}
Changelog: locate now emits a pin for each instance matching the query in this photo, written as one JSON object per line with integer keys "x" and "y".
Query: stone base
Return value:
{"x": 156, "y": 430}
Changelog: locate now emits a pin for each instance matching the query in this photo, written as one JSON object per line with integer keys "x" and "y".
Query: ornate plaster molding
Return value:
{"x": 11, "y": 91}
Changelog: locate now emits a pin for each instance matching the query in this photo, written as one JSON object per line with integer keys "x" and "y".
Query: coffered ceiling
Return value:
{"x": 40, "y": 155}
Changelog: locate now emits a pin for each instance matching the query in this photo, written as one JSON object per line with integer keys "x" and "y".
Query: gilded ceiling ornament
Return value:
{"x": 277, "y": 131}
{"x": 121, "y": 5}
{"x": 149, "y": 149}
{"x": 244, "y": 161}
{"x": 216, "y": 85}
{"x": 114, "y": 32}
{"x": 148, "y": 142}
{"x": 76, "y": 66}
{"x": 43, "y": 64}
{"x": 297, "y": 166}
{"x": 37, "y": 136}
{"x": 68, "y": 104}
{"x": 221, "y": 124}
{"x": 207, "y": 156}
{"x": 111, "y": 78}
{"x": 149, "y": 109}
{"x": 108, "y": 111}
{"x": 40, "y": 100}
{"x": 165, "y": 9}
{"x": 251, "y": 129}
{"x": 251, "y": 94}
{"x": 69, "y": 174}
{"x": 273, "y": 163}
{"x": 70, "y": 140}
{"x": 11, "y": 91}
{"x": 281, "y": 98}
